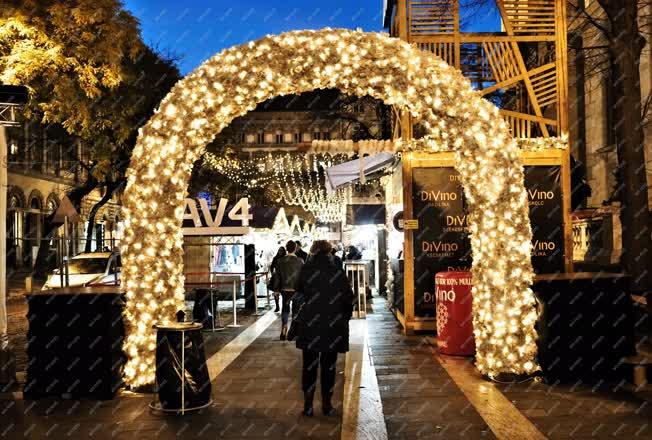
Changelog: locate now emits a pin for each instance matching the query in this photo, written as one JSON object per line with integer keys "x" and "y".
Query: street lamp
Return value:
{"x": 12, "y": 98}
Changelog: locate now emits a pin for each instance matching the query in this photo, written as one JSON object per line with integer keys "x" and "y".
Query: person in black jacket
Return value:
{"x": 300, "y": 252}
{"x": 289, "y": 268}
{"x": 337, "y": 259}
{"x": 354, "y": 253}
{"x": 273, "y": 269}
{"x": 327, "y": 301}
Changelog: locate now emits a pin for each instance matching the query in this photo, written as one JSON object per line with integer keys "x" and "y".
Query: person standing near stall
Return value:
{"x": 274, "y": 281}
{"x": 353, "y": 254}
{"x": 289, "y": 268}
{"x": 323, "y": 329}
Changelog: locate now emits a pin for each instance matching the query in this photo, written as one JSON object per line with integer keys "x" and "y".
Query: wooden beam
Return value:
{"x": 521, "y": 66}
{"x": 528, "y": 117}
{"x": 507, "y": 83}
{"x": 561, "y": 52}
{"x": 401, "y": 19}
{"x": 456, "y": 34}
{"x": 471, "y": 37}
{"x": 408, "y": 243}
{"x": 502, "y": 85}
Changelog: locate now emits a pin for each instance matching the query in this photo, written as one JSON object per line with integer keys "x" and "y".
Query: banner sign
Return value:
{"x": 441, "y": 242}
{"x": 205, "y": 221}
{"x": 543, "y": 185}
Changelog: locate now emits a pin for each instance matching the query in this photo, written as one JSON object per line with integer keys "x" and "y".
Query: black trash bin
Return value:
{"x": 181, "y": 373}
{"x": 74, "y": 343}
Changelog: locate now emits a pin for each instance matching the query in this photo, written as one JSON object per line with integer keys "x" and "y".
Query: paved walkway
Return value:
{"x": 427, "y": 395}
{"x": 396, "y": 387}
{"x": 419, "y": 399}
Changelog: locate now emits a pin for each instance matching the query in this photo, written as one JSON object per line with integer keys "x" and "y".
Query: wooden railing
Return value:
{"x": 428, "y": 17}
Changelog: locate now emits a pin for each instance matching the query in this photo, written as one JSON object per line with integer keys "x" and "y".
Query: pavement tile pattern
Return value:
{"x": 258, "y": 396}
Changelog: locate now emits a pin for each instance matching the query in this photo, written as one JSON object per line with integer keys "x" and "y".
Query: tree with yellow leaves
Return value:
{"x": 68, "y": 53}
{"x": 88, "y": 70}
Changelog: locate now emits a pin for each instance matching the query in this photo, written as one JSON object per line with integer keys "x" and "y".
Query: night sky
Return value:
{"x": 194, "y": 30}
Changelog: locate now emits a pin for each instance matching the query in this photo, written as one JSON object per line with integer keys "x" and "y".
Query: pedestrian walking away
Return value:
{"x": 274, "y": 280}
{"x": 289, "y": 268}
{"x": 327, "y": 306}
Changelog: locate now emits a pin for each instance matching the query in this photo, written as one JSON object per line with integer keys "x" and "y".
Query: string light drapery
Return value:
{"x": 234, "y": 81}
{"x": 250, "y": 173}
{"x": 302, "y": 183}
{"x": 298, "y": 177}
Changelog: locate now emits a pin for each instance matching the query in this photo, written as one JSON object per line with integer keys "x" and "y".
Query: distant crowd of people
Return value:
{"x": 315, "y": 286}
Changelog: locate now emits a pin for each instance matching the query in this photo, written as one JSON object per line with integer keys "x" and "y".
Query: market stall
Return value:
{"x": 218, "y": 259}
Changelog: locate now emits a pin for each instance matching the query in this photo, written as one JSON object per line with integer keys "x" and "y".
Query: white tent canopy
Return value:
{"x": 356, "y": 170}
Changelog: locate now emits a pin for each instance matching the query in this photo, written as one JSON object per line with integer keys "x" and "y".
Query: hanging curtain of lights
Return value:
{"x": 252, "y": 173}
{"x": 299, "y": 177}
{"x": 301, "y": 182}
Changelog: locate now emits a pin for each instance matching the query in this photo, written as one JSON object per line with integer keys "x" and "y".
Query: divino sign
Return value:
{"x": 212, "y": 222}
{"x": 442, "y": 241}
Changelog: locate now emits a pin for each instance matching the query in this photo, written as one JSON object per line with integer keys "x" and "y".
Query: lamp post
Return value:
{"x": 12, "y": 98}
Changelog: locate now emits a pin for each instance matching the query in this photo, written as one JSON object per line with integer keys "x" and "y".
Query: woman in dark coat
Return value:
{"x": 327, "y": 301}
{"x": 273, "y": 268}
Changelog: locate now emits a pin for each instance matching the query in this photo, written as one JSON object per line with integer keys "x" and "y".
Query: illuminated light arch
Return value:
{"x": 234, "y": 81}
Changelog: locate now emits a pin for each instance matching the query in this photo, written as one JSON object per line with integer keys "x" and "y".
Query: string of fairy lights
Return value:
{"x": 298, "y": 177}
{"x": 233, "y": 82}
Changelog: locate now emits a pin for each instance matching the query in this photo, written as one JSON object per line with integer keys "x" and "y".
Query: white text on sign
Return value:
{"x": 239, "y": 213}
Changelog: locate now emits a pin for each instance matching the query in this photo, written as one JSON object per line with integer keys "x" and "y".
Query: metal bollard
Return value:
{"x": 256, "y": 313}
{"x": 357, "y": 283}
{"x": 235, "y": 323}
{"x": 219, "y": 327}
{"x": 269, "y": 304}
{"x": 364, "y": 293}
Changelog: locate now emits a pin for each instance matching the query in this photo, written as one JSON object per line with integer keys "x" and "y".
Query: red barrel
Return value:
{"x": 454, "y": 313}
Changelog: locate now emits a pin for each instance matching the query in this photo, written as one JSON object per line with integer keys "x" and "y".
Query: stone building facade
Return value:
{"x": 293, "y": 122}
{"x": 591, "y": 101}
{"x": 43, "y": 166}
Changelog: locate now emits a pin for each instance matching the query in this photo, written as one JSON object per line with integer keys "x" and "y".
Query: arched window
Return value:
{"x": 14, "y": 202}
{"x": 36, "y": 200}
{"x": 35, "y": 203}
{"x": 52, "y": 204}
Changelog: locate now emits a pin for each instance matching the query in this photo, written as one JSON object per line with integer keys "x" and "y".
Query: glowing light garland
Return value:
{"x": 251, "y": 173}
{"x": 310, "y": 193}
{"x": 299, "y": 178}
{"x": 231, "y": 83}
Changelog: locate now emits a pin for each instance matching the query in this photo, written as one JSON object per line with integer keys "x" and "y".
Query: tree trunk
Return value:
{"x": 110, "y": 190}
{"x": 625, "y": 47}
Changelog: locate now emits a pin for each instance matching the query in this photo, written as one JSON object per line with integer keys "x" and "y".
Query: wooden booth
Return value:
{"x": 436, "y": 239}
{"x": 522, "y": 65}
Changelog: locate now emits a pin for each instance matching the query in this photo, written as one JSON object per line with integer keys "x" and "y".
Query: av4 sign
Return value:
{"x": 205, "y": 223}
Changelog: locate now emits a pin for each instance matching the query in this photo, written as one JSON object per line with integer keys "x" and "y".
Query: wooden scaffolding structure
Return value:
{"x": 522, "y": 68}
